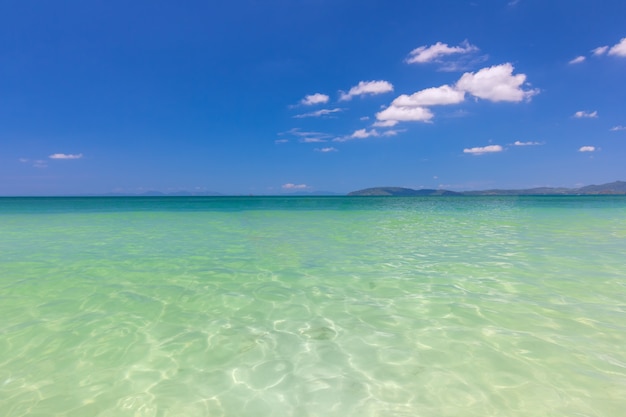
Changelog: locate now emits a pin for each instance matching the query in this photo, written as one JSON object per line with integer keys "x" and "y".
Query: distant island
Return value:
{"x": 612, "y": 188}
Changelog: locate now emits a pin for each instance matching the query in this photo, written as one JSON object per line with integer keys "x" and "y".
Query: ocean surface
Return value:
{"x": 313, "y": 306}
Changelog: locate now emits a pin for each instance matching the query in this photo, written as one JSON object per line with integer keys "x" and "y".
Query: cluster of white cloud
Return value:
{"x": 582, "y": 114}
{"x": 496, "y": 83}
{"x": 619, "y": 49}
{"x": 361, "y": 89}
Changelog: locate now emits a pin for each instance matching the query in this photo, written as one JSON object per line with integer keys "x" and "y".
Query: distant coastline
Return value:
{"x": 612, "y": 188}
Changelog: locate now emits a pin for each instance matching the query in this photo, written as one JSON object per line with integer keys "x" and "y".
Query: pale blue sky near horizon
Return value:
{"x": 271, "y": 97}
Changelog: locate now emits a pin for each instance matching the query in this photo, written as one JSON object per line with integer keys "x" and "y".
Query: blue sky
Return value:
{"x": 267, "y": 96}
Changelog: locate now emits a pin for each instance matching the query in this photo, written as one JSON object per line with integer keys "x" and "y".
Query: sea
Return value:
{"x": 313, "y": 306}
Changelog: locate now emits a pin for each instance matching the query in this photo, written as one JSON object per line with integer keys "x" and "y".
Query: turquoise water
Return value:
{"x": 333, "y": 306}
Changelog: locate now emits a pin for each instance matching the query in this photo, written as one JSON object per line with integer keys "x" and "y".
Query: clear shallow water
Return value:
{"x": 512, "y": 306}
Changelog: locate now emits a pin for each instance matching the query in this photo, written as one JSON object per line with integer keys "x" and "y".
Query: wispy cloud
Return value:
{"x": 37, "y": 163}
{"x": 65, "y": 156}
{"x": 305, "y": 136}
{"x": 481, "y": 150}
{"x": 393, "y": 132}
{"x": 290, "y": 186}
{"x": 587, "y": 149}
{"x": 617, "y": 128}
{"x": 367, "y": 88}
{"x": 518, "y": 143}
{"x": 326, "y": 150}
{"x": 313, "y": 99}
{"x": 577, "y": 60}
{"x": 281, "y": 141}
{"x": 358, "y": 134}
{"x": 448, "y": 58}
{"x": 582, "y": 114}
{"x": 433, "y": 53}
{"x": 318, "y": 113}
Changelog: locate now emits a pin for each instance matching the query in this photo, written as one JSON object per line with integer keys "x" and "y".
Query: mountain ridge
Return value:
{"x": 611, "y": 188}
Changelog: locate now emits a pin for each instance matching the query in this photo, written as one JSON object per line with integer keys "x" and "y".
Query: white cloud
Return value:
{"x": 367, "y": 87}
{"x": 326, "y": 150}
{"x": 364, "y": 133}
{"x": 364, "y": 118}
{"x": 587, "y": 149}
{"x": 577, "y": 60}
{"x": 65, "y": 156}
{"x": 313, "y": 99}
{"x": 312, "y": 140}
{"x": 290, "y": 186}
{"x": 483, "y": 149}
{"x": 600, "y": 50}
{"x": 394, "y": 114}
{"x": 24, "y": 160}
{"x": 433, "y": 53}
{"x": 318, "y": 113}
{"x": 586, "y": 115}
{"x": 619, "y": 49}
{"x": 617, "y": 128}
{"x": 496, "y": 83}
{"x": 281, "y": 141}
{"x": 518, "y": 143}
{"x": 431, "y": 97}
